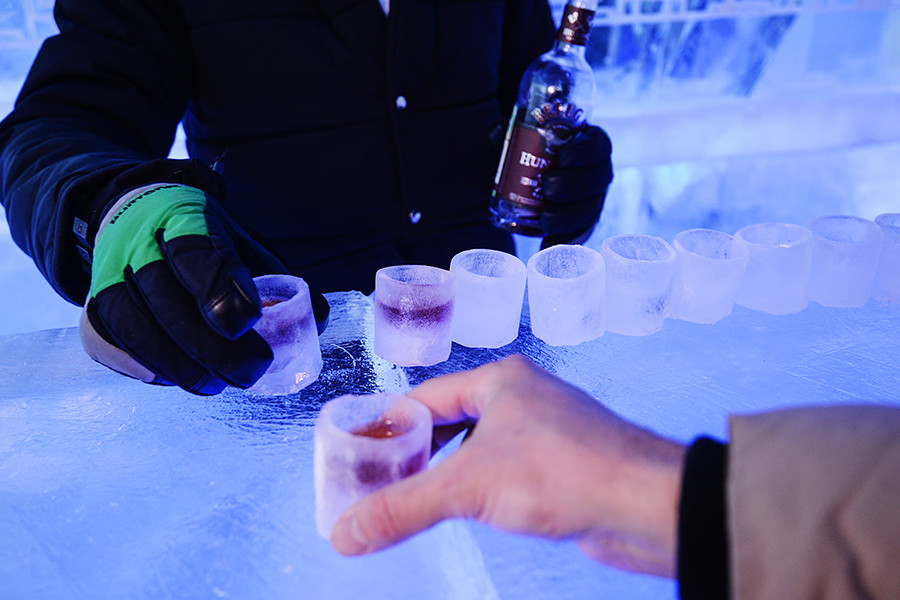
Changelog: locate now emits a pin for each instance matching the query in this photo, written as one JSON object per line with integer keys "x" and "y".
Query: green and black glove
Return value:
{"x": 172, "y": 300}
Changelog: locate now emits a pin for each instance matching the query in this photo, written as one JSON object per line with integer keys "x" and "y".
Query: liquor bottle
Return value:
{"x": 555, "y": 97}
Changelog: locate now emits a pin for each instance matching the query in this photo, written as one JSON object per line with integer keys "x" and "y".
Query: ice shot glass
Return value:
{"x": 776, "y": 280}
{"x": 711, "y": 265}
{"x": 566, "y": 295}
{"x": 887, "y": 277}
{"x": 289, "y": 327}
{"x": 363, "y": 443}
{"x": 845, "y": 257}
{"x": 413, "y": 314}
{"x": 490, "y": 290}
{"x": 640, "y": 278}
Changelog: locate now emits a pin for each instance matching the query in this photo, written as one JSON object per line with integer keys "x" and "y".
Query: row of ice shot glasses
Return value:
{"x": 633, "y": 284}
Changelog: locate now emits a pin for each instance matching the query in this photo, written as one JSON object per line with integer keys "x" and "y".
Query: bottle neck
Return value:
{"x": 574, "y": 28}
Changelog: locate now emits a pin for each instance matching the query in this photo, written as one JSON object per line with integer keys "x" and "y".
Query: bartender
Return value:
{"x": 327, "y": 140}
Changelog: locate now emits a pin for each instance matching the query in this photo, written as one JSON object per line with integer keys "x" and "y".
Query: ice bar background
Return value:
{"x": 722, "y": 114}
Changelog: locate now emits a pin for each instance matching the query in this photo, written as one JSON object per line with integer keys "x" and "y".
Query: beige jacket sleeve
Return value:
{"x": 814, "y": 504}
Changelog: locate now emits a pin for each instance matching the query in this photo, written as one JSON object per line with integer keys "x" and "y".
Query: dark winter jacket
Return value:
{"x": 346, "y": 140}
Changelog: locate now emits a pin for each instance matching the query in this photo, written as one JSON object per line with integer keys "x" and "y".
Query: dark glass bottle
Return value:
{"x": 555, "y": 98}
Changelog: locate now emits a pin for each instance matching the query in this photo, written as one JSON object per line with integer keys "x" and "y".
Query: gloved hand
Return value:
{"x": 574, "y": 191}
{"x": 172, "y": 299}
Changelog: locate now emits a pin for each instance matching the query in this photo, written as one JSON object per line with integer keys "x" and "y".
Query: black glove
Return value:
{"x": 575, "y": 189}
{"x": 172, "y": 299}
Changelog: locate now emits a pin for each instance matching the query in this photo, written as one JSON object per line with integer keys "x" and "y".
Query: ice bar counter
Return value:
{"x": 110, "y": 488}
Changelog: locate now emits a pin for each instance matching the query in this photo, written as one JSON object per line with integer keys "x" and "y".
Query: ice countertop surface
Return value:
{"x": 112, "y": 488}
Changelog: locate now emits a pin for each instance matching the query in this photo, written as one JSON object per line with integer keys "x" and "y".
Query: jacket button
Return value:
{"x": 415, "y": 216}
{"x": 400, "y": 102}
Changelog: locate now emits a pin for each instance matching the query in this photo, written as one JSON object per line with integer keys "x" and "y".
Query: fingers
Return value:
{"x": 457, "y": 487}
{"x": 192, "y": 237}
{"x": 129, "y": 325}
{"x": 575, "y": 189}
{"x": 238, "y": 362}
{"x": 169, "y": 288}
{"x": 226, "y": 233}
{"x": 464, "y": 396}
{"x": 569, "y": 186}
{"x": 545, "y": 459}
{"x": 452, "y": 398}
{"x": 402, "y": 509}
{"x": 208, "y": 268}
{"x": 152, "y": 318}
{"x": 570, "y": 220}
{"x": 590, "y": 147}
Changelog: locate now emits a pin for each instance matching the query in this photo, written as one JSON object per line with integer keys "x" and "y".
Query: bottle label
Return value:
{"x": 557, "y": 122}
{"x": 575, "y": 26}
{"x": 525, "y": 161}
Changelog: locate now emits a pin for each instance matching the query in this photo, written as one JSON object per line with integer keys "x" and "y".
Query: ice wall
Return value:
{"x": 27, "y": 302}
{"x": 726, "y": 113}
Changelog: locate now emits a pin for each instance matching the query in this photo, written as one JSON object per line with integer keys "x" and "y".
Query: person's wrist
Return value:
{"x": 654, "y": 498}
{"x": 640, "y": 507}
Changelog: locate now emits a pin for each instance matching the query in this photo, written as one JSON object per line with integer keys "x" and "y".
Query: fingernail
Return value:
{"x": 348, "y": 537}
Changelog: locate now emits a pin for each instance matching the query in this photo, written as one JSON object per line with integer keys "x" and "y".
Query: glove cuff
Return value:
{"x": 130, "y": 197}
{"x": 84, "y": 241}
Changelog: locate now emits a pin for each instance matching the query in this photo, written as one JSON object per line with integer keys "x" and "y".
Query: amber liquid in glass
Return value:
{"x": 381, "y": 428}
{"x": 376, "y": 473}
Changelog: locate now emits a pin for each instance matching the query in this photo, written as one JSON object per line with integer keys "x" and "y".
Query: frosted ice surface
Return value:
{"x": 109, "y": 487}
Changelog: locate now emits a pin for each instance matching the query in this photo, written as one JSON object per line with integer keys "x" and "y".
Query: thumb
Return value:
{"x": 399, "y": 510}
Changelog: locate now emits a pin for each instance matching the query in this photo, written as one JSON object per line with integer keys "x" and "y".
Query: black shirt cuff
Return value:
{"x": 702, "y": 532}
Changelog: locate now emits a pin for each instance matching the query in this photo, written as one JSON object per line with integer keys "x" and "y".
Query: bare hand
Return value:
{"x": 545, "y": 459}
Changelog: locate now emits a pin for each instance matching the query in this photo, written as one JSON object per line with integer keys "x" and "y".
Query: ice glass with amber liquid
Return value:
{"x": 289, "y": 327}
{"x": 363, "y": 443}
